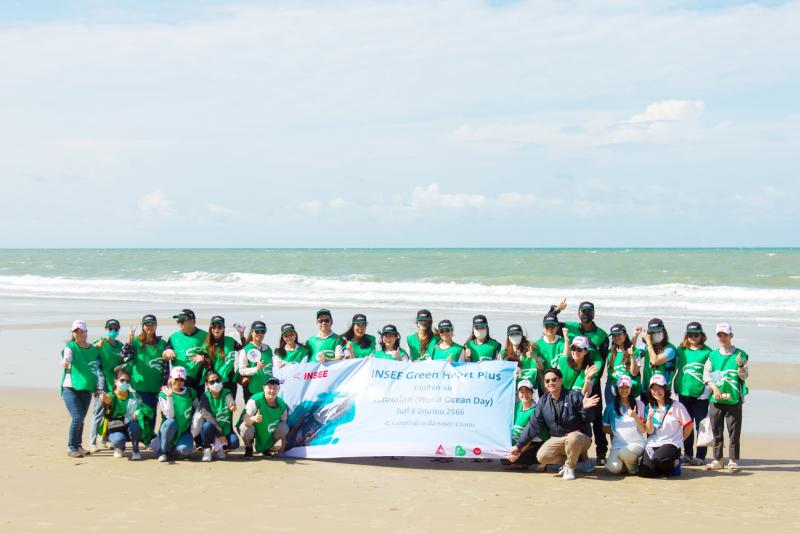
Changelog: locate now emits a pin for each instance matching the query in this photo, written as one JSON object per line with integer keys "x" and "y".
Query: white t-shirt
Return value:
{"x": 668, "y": 427}
{"x": 624, "y": 428}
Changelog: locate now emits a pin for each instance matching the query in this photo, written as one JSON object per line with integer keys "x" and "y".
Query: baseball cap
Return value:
{"x": 273, "y": 380}
{"x": 288, "y": 327}
{"x": 525, "y": 383}
{"x": 480, "y": 321}
{"x": 624, "y": 380}
{"x": 218, "y": 319}
{"x": 424, "y": 315}
{"x": 617, "y": 329}
{"x": 390, "y": 329}
{"x": 258, "y": 326}
{"x": 79, "y": 325}
{"x": 359, "y": 318}
{"x": 655, "y": 325}
{"x": 185, "y": 313}
{"x": 445, "y": 324}
{"x": 178, "y": 372}
{"x": 324, "y": 311}
{"x": 694, "y": 328}
{"x": 112, "y": 322}
{"x": 658, "y": 380}
{"x": 585, "y": 305}
{"x": 551, "y": 319}
{"x": 514, "y": 330}
{"x": 149, "y": 319}
{"x": 724, "y": 328}
{"x": 581, "y": 342}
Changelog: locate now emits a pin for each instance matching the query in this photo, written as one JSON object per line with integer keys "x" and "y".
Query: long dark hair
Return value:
{"x": 667, "y": 396}
{"x": 618, "y": 403}
{"x": 659, "y": 347}
{"x": 626, "y": 357}
{"x": 350, "y": 335}
{"x": 586, "y": 361}
{"x": 396, "y": 343}
{"x": 144, "y": 338}
{"x": 212, "y": 346}
{"x": 685, "y": 343}
{"x": 508, "y": 352}
{"x": 472, "y": 335}
{"x": 429, "y": 332}
{"x": 281, "y": 350}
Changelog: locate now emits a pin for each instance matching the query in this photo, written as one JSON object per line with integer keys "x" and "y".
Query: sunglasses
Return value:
{"x": 323, "y": 321}
{"x": 217, "y": 381}
{"x": 113, "y": 329}
{"x": 551, "y": 380}
{"x": 693, "y": 334}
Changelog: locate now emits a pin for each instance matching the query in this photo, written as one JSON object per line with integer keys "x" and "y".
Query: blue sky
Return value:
{"x": 421, "y": 123}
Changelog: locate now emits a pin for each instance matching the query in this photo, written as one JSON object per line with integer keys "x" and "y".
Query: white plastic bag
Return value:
{"x": 705, "y": 437}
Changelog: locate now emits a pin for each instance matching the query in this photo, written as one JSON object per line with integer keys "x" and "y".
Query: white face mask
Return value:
{"x": 480, "y": 334}
{"x": 658, "y": 337}
{"x": 515, "y": 340}
{"x": 216, "y": 388}
{"x": 123, "y": 386}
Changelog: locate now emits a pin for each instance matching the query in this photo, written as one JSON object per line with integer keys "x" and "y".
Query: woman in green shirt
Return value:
{"x": 692, "y": 391}
{"x": 551, "y": 345}
{"x": 446, "y": 349}
{"x": 423, "y": 340}
{"x": 289, "y": 350}
{"x": 577, "y": 367}
{"x": 389, "y": 347}
{"x": 217, "y": 406}
{"x": 518, "y": 349}
{"x": 222, "y": 351}
{"x": 178, "y": 404}
{"x": 120, "y": 422}
{"x": 110, "y": 363}
{"x": 144, "y": 360}
{"x": 254, "y": 361}
{"x": 621, "y": 360}
{"x": 357, "y": 343}
{"x": 480, "y": 346}
{"x": 523, "y": 411}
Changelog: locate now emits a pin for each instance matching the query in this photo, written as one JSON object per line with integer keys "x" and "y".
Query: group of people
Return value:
{"x": 655, "y": 393}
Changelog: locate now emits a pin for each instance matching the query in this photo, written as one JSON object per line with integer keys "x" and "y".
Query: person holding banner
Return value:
{"x": 357, "y": 343}
{"x": 326, "y": 346}
{"x": 255, "y": 361}
{"x": 422, "y": 342}
{"x": 523, "y": 411}
{"x": 479, "y": 345}
{"x": 263, "y": 423}
{"x": 389, "y": 347}
{"x": 446, "y": 349}
{"x": 567, "y": 416}
{"x": 289, "y": 350}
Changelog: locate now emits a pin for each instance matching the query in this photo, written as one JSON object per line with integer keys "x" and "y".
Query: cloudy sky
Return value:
{"x": 414, "y": 123}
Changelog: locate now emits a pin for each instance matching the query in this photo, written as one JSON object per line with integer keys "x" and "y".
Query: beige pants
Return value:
{"x": 564, "y": 450}
{"x": 248, "y": 434}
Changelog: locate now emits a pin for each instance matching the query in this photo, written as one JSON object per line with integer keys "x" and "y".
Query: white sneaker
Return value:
{"x": 206, "y": 455}
{"x": 560, "y": 471}
{"x": 220, "y": 454}
{"x": 136, "y": 456}
{"x": 118, "y": 453}
{"x": 569, "y": 473}
{"x": 163, "y": 458}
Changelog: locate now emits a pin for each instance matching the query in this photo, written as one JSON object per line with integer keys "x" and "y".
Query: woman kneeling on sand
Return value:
{"x": 177, "y": 403}
{"x": 623, "y": 421}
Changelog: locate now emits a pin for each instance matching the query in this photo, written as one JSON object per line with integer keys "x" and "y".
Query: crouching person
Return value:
{"x": 566, "y": 415}
{"x": 263, "y": 424}
{"x": 120, "y": 422}
{"x": 623, "y": 420}
{"x": 213, "y": 422}
{"x": 178, "y": 404}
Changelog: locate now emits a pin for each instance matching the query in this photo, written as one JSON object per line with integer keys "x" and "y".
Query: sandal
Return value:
{"x": 733, "y": 467}
{"x": 714, "y": 466}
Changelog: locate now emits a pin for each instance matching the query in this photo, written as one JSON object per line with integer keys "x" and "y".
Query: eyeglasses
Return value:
{"x": 551, "y": 380}
{"x": 217, "y": 381}
{"x": 323, "y": 321}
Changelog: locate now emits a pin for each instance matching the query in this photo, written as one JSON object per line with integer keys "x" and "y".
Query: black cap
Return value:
{"x": 258, "y": 326}
{"x": 359, "y": 318}
{"x": 514, "y": 329}
{"x": 273, "y": 380}
{"x": 324, "y": 311}
{"x": 480, "y": 320}
{"x": 424, "y": 315}
{"x": 149, "y": 318}
{"x": 218, "y": 319}
{"x": 112, "y": 322}
{"x": 288, "y": 327}
{"x": 445, "y": 324}
{"x": 185, "y": 313}
{"x": 551, "y": 319}
{"x": 390, "y": 329}
{"x": 585, "y": 305}
{"x": 617, "y": 329}
{"x": 694, "y": 328}
{"x": 655, "y": 325}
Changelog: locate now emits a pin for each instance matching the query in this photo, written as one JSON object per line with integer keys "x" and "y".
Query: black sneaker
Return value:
{"x": 248, "y": 452}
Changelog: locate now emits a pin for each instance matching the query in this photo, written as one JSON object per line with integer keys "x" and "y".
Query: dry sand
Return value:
{"x": 43, "y": 490}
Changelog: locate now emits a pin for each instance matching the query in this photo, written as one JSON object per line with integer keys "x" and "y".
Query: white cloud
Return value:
{"x": 219, "y": 210}
{"x": 665, "y": 121}
{"x": 337, "y": 203}
{"x": 311, "y": 207}
{"x": 670, "y": 110}
{"x": 431, "y": 196}
{"x": 157, "y": 201}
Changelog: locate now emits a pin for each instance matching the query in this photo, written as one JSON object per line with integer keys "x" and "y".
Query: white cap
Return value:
{"x": 79, "y": 325}
{"x": 525, "y": 383}
{"x": 624, "y": 380}
{"x": 581, "y": 342}
{"x": 725, "y": 328}
{"x": 178, "y": 372}
{"x": 659, "y": 380}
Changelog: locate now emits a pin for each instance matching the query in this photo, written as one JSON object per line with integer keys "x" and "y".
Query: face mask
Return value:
{"x": 216, "y": 388}
{"x": 515, "y": 340}
{"x": 422, "y": 325}
{"x": 112, "y": 334}
{"x": 123, "y": 386}
{"x": 658, "y": 337}
{"x": 480, "y": 334}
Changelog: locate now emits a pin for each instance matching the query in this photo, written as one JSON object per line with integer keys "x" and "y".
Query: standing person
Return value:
{"x": 424, "y": 339}
{"x": 566, "y": 415}
{"x": 178, "y": 404}
{"x": 289, "y": 350}
{"x": 551, "y": 345}
{"x": 578, "y": 369}
{"x": 518, "y": 349}
{"x": 255, "y": 361}
{"x": 446, "y": 349}
{"x": 222, "y": 351}
{"x": 621, "y": 360}
{"x": 623, "y": 421}
{"x": 110, "y": 363}
{"x": 480, "y": 346}
{"x": 80, "y": 379}
{"x": 523, "y": 411}
{"x": 667, "y": 424}
{"x": 120, "y": 416}
{"x": 185, "y": 349}
{"x": 144, "y": 359}
{"x": 725, "y": 373}
{"x": 263, "y": 424}
{"x": 691, "y": 388}
{"x": 326, "y": 346}
{"x": 357, "y": 343}
{"x": 389, "y": 347}
{"x": 658, "y": 356}
{"x": 217, "y": 405}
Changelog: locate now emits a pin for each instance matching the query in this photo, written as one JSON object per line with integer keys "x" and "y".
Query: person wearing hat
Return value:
{"x": 389, "y": 346}
{"x": 144, "y": 360}
{"x": 578, "y": 369}
{"x": 214, "y": 419}
{"x": 667, "y": 424}
{"x": 255, "y": 361}
{"x": 81, "y": 378}
{"x": 110, "y": 363}
{"x": 658, "y": 356}
{"x": 551, "y": 345}
{"x": 326, "y": 346}
{"x": 120, "y": 416}
{"x": 518, "y": 349}
{"x": 263, "y": 423}
{"x": 523, "y": 410}
{"x": 185, "y": 348}
{"x": 222, "y": 351}
{"x": 689, "y": 385}
{"x": 178, "y": 404}
{"x": 446, "y": 349}
{"x": 480, "y": 346}
{"x": 725, "y": 373}
{"x": 621, "y": 360}
{"x": 623, "y": 421}
{"x": 357, "y": 343}
{"x": 421, "y": 342}
{"x": 566, "y": 415}
{"x": 289, "y": 350}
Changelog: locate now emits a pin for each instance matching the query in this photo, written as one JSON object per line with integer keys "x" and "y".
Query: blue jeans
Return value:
{"x": 98, "y": 412}
{"x": 118, "y": 439}
{"x": 208, "y": 432}
{"x": 167, "y": 433}
{"x": 77, "y": 403}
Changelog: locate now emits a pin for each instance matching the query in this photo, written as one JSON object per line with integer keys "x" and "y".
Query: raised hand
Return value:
{"x": 591, "y": 401}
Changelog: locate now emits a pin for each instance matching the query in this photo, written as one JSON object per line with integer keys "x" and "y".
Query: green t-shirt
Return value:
{"x": 271, "y": 417}
{"x": 183, "y": 408}
{"x": 146, "y": 366}
{"x": 689, "y": 373}
{"x": 414, "y": 346}
{"x": 666, "y": 369}
{"x": 381, "y": 355}
{"x": 549, "y": 352}
{"x": 110, "y": 357}
{"x": 479, "y": 352}
{"x": 220, "y": 410}
{"x": 358, "y": 351}
{"x": 521, "y": 419}
{"x": 254, "y": 355}
{"x": 619, "y": 369}
{"x": 225, "y": 362}
{"x": 725, "y": 375}
{"x": 325, "y": 346}
{"x": 298, "y": 355}
{"x": 185, "y": 348}
{"x": 575, "y": 378}
{"x": 83, "y": 369}
{"x": 453, "y": 352}
{"x": 118, "y": 408}
{"x": 597, "y": 336}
